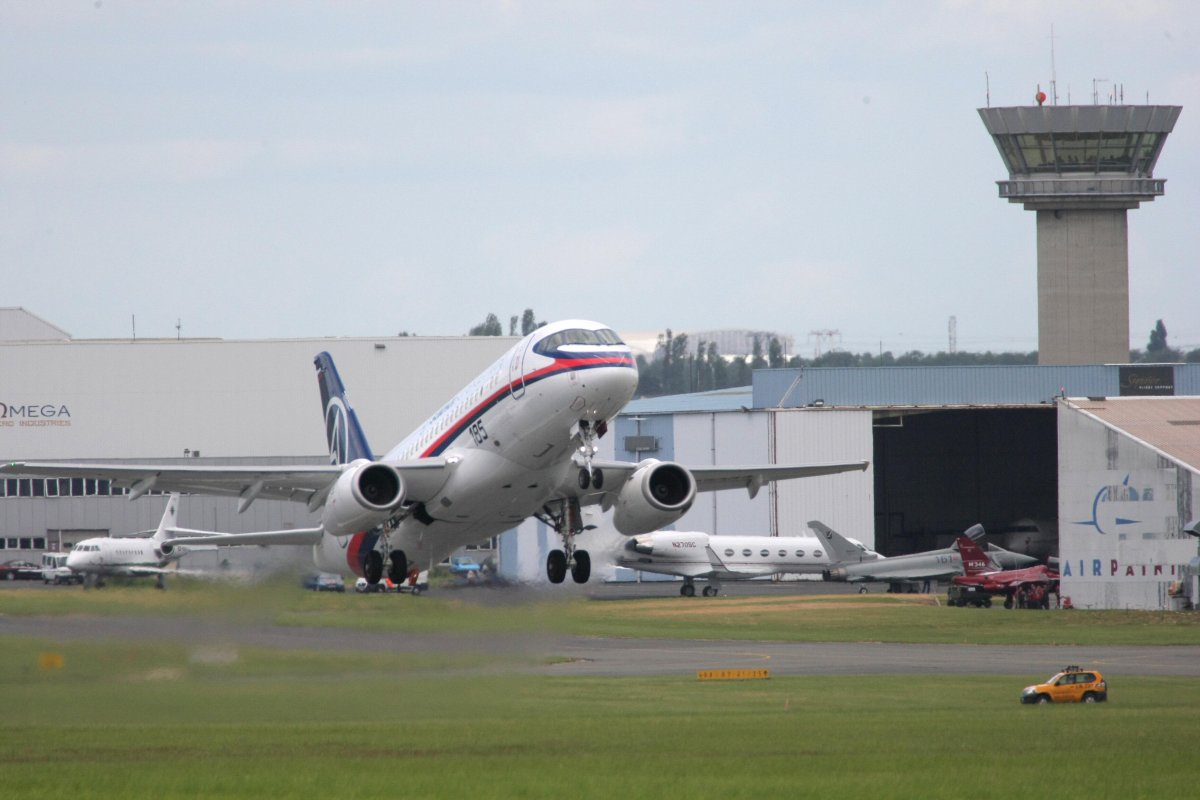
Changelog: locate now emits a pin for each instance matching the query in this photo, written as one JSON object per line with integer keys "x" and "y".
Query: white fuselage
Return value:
{"x": 115, "y": 556}
{"x": 509, "y": 438}
{"x": 698, "y": 555}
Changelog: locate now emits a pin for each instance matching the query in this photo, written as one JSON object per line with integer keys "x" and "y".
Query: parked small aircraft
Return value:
{"x": 897, "y": 570}
{"x": 107, "y": 556}
{"x": 694, "y": 555}
{"x": 518, "y": 441}
{"x": 1029, "y": 587}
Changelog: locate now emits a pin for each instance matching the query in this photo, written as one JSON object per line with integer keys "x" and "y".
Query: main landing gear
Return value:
{"x": 395, "y": 560}
{"x": 689, "y": 588}
{"x": 566, "y": 519}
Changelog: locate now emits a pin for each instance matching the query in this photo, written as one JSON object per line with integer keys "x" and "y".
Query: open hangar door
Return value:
{"x": 939, "y": 471}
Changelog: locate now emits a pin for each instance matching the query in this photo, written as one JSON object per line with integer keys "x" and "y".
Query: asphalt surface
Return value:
{"x": 605, "y": 657}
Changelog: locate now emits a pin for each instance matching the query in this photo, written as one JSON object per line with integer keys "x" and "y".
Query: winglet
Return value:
{"x": 342, "y": 432}
{"x": 840, "y": 549}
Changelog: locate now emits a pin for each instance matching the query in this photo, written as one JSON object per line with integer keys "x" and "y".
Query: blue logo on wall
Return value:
{"x": 1108, "y": 520}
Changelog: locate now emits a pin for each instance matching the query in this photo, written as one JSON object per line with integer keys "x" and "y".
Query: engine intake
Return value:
{"x": 656, "y": 494}
{"x": 365, "y": 494}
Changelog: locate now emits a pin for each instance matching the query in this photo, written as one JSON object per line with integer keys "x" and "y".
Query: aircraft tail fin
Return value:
{"x": 169, "y": 519}
{"x": 840, "y": 548}
{"x": 342, "y": 432}
{"x": 974, "y": 560}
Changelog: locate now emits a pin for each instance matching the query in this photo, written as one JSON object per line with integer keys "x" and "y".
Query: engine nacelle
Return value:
{"x": 656, "y": 494}
{"x": 366, "y": 494}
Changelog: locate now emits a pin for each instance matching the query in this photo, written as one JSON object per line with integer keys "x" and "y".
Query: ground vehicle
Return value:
{"x": 968, "y": 596}
{"x": 56, "y": 571}
{"x": 1072, "y": 685}
{"x": 414, "y": 584}
{"x": 20, "y": 571}
{"x": 324, "y": 582}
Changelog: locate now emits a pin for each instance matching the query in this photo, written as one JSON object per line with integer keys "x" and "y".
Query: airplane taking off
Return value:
{"x": 692, "y": 555}
{"x": 107, "y": 556}
{"x": 1033, "y": 584}
{"x": 895, "y": 570}
{"x": 518, "y": 441}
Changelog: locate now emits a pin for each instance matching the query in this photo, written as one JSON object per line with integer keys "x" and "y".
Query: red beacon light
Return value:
{"x": 1040, "y": 97}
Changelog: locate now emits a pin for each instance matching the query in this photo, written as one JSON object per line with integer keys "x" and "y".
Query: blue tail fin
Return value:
{"x": 342, "y": 431}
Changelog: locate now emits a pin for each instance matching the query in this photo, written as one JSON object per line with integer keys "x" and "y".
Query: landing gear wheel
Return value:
{"x": 1008, "y": 603}
{"x": 373, "y": 567}
{"x": 585, "y": 479}
{"x": 556, "y": 566}
{"x": 687, "y": 590}
{"x": 597, "y": 479}
{"x": 581, "y": 570}
{"x": 710, "y": 591}
{"x": 398, "y": 572}
{"x": 863, "y": 590}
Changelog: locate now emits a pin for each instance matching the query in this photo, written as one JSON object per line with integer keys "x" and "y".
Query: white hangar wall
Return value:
{"x": 733, "y": 437}
{"x": 156, "y": 398}
{"x": 844, "y": 502}
{"x": 236, "y": 402}
{"x": 1122, "y": 508}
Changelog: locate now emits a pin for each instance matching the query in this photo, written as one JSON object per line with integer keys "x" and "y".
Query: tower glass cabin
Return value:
{"x": 1081, "y": 168}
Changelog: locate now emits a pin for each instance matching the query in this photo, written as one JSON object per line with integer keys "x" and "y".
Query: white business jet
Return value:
{"x": 692, "y": 555}
{"x": 127, "y": 556}
{"x": 518, "y": 441}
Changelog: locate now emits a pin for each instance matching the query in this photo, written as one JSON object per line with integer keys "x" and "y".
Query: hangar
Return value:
{"x": 1021, "y": 449}
{"x": 1095, "y": 463}
{"x": 203, "y": 401}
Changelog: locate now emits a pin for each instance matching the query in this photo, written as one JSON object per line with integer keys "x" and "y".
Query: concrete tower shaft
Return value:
{"x": 1081, "y": 168}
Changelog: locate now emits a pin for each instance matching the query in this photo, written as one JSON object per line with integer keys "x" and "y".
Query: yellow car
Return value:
{"x": 1072, "y": 685}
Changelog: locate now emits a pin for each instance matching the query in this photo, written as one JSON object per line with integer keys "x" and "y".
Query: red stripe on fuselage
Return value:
{"x": 559, "y": 365}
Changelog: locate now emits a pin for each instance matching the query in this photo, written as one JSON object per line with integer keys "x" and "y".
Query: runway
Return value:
{"x": 556, "y": 655}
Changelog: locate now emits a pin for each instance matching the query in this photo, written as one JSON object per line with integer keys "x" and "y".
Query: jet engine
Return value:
{"x": 656, "y": 494}
{"x": 366, "y": 494}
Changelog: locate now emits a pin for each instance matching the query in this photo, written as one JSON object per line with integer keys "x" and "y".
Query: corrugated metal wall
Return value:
{"x": 844, "y": 502}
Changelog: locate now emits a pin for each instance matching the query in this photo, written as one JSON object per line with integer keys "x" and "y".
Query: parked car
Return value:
{"x": 1072, "y": 685}
{"x": 20, "y": 571}
{"x": 324, "y": 582}
{"x": 56, "y": 571}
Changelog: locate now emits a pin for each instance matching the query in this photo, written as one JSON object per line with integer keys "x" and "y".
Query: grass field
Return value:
{"x": 158, "y": 720}
{"x": 830, "y": 618}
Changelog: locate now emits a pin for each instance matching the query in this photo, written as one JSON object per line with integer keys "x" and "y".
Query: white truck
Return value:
{"x": 56, "y": 571}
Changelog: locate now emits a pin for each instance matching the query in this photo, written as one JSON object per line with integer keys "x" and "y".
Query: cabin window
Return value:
{"x": 729, "y": 551}
{"x": 799, "y": 554}
{"x": 816, "y": 553}
{"x": 764, "y": 553}
{"x": 746, "y": 552}
{"x": 783, "y": 553}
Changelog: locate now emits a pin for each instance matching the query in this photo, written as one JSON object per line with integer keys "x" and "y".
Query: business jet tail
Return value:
{"x": 169, "y": 519}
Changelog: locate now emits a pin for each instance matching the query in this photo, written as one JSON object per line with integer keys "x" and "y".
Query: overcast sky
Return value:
{"x": 288, "y": 169}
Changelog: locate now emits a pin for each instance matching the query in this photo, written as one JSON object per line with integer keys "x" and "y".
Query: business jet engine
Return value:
{"x": 656, "y": 494}
{"x": 365, "y": 494}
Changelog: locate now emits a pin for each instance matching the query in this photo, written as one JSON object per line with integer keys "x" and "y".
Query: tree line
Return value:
{"x": 678, "y": 368}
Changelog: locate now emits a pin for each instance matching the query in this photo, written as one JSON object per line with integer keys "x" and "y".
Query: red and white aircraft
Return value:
{"x": 518, "y": 441}
{"x": 981, "y": 575}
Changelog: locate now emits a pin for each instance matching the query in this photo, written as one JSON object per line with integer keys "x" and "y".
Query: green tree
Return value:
{"x": 489, "y": 327}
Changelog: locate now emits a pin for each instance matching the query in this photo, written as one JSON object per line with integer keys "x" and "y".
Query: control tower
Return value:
{"x": 1081, "y": 168}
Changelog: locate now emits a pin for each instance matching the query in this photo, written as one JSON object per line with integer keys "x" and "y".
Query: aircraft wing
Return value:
{"x": 716, "y": 478}
{"x": 301, "y": 483}
{"x": 290, "y": 536}
{"x": 915, "y": 572}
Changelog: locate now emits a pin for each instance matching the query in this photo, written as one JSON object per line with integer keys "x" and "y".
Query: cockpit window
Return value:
{"x": 582, "y": 336}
